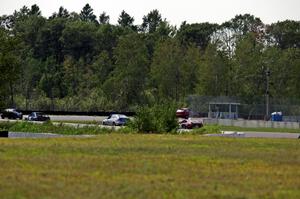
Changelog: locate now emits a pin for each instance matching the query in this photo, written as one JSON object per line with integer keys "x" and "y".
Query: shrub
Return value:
{"x": 159, "y": 118}
{"x": 6, "y": 125}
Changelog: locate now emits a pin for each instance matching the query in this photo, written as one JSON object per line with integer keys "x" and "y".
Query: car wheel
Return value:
{"x": 114, "y": 124}
{"x": 197, "y": 126}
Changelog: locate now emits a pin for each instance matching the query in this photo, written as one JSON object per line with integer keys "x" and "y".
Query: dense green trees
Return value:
{"x": 127, "y": 81}
{"x": 74, "y": 61}
{"x": 285, "y": 34}
{"x": 197, "y": 34}
{"x": 10, "y": 66}
{"x": 213, "y": 74}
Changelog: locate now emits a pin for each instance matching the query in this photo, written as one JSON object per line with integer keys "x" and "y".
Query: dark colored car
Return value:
{"x": 190, "y": 123}
{"x": 183, "y": 113}
{"x": 38, "y": 116}
{"x": 116, "y": 120}
{"x": 11, "y": 113}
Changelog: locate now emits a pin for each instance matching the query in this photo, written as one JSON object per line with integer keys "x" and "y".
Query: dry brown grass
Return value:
{"x": 149, "y": 166}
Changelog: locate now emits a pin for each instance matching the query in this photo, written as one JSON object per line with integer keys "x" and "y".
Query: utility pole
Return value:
{"x": 267, "y": 94}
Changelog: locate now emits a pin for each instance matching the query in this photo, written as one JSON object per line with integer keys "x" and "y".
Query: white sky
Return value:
{"x": 175, "y": 11}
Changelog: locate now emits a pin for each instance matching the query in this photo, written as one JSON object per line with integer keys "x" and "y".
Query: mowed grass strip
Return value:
{"x": 149, "y": 166}
{"x": 261, "y": 129}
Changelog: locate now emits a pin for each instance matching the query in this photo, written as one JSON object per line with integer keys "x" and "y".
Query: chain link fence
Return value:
{"x": 257, "y": 110}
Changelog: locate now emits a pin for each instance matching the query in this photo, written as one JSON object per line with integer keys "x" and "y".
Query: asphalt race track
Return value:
{"x": 100, "y": 118}
{"x": 76, "y": 118}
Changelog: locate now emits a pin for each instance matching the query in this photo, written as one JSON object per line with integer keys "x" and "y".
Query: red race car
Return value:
{"x": 183, "y": 113}
{"x": 190, "y": 123}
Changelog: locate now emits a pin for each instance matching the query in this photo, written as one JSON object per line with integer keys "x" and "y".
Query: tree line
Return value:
{"x": 80, "y": 62}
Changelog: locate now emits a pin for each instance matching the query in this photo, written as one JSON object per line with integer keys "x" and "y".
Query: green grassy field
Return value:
{"x": 223, "y": 128}
{"x": 282, "y": 130}
{"x": 149, "y": 166}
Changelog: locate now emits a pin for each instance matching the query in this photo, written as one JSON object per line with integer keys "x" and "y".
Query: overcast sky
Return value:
{"x": 175, "y": 11}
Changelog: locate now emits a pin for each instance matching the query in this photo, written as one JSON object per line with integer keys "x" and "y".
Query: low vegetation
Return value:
{"x": 149, "y": 166}
{"x": 65, "y": 129}
{"x": 280, "y": 130}
{"x": 138, "y": 126}
{"x": 49, "y": 127}
{"x": 159, "y": 118}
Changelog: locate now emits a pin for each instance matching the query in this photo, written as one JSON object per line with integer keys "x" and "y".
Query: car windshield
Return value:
{"x": 123, "y": 119}
{"x": 40, "y": 114}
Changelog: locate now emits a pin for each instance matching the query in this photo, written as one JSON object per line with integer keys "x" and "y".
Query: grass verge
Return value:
{"x": 149, "y": 166}
{"x": 62, "y": 128}
{"x": 49, "y": 127}
{"x": 280, "y": 130}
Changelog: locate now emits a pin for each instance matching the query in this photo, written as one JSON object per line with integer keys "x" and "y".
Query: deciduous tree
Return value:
{"x": 126, "y": 84}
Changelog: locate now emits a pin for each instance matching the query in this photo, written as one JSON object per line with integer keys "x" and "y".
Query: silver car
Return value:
{"x": 116, "y": 120}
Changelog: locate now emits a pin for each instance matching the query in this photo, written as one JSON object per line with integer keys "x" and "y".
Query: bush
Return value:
{"x": 159, "y": 118}
{"x": 6, "y": 125}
